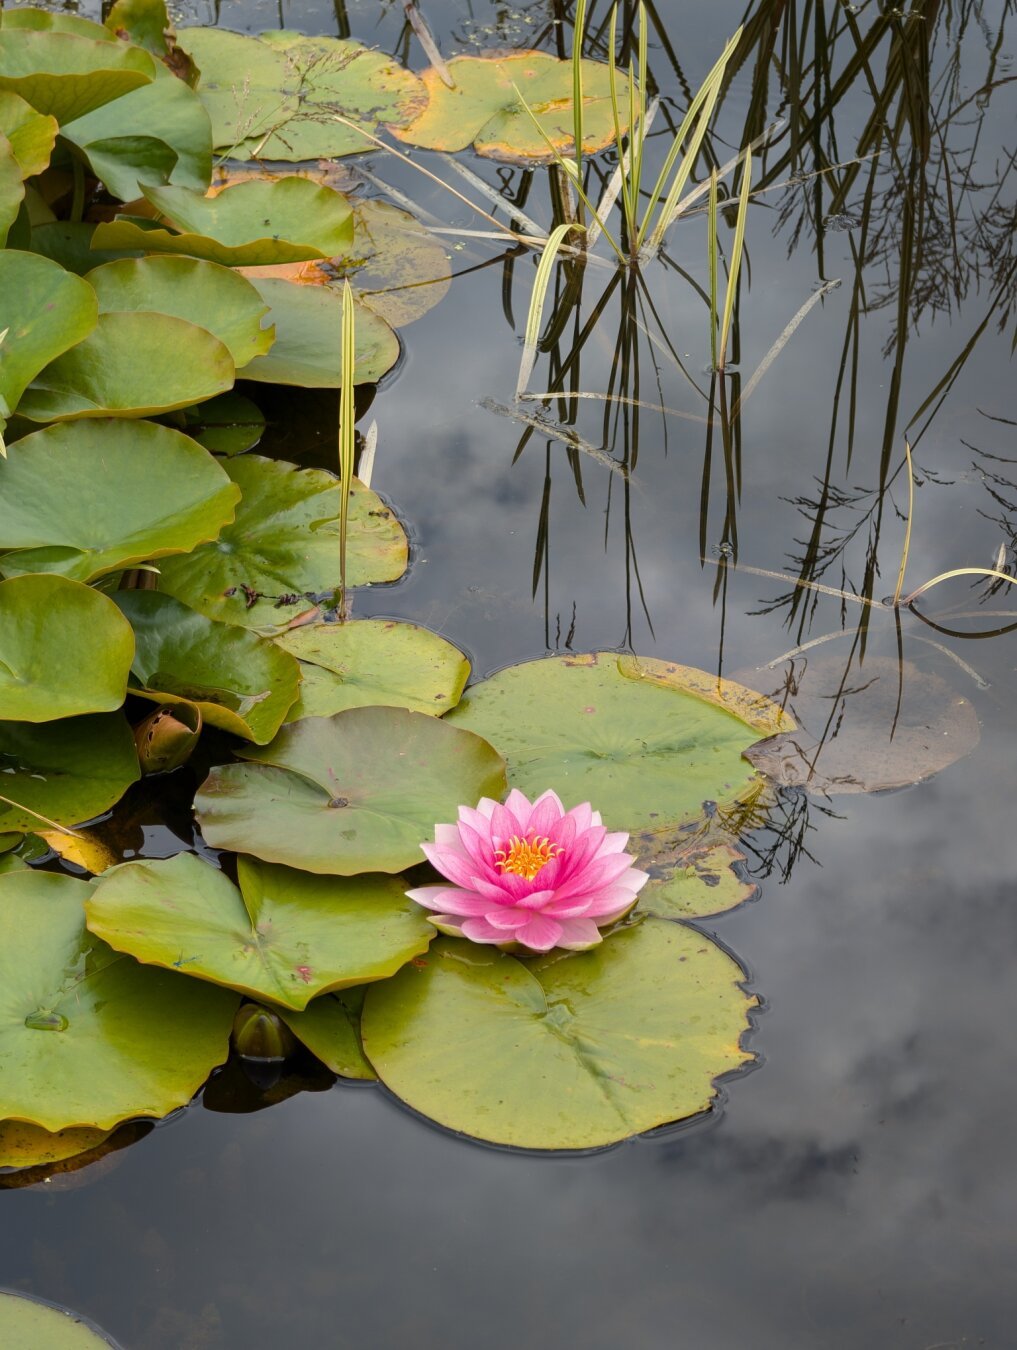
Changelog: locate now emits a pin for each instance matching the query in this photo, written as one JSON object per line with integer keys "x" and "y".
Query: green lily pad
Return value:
{"x": 228, "y": 424}
{"x": 85, "y": 498}
{"x": 67, "y": 771}
{"x": 66, "y": 75}
{"x": 12, "y": 188}
{"x": 283, "y": 936}
{"x": 127, "y": 141}
{"x": 307, "y": 351}
{"x": 278, "y": 95}
{"x": 252, "y": 223}
{"x": 485, "y": 107}
{"x": 646, "y": 741}
{"x": 373, "y": 661}
{"x": 346, "y": 794}
{"x": 213, "y": 297}
{"x": 88, "y": 1036}
{"x": 131, "y": 365}
{"x": 69, "y": 243}
{"x": 697, "y": 879}
{"x": 564, "y": 1052}
{"x": 27, "y": 1322}
{"x": 237, "y": 680}
{"x": 43, "y": 21}
{"x": 32, "y": 135}
{"x": 284, "y": 545}
{"x": 24, "y": 1145}
{"x": 147, "y": 23}
{"x": 44, "y": 311}
{"x": 64, "y": 650}
{"x": 245, "y": 85}
{"x": 330, "y": 1028}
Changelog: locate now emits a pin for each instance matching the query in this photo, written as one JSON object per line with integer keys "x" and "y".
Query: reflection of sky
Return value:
{"x": 858, "y": 1189}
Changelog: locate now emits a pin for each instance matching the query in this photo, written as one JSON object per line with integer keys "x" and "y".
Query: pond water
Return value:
{"x": 856, "y": 1187}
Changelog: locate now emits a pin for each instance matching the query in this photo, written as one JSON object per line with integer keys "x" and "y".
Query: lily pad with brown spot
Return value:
{"x": 485, "y": 107}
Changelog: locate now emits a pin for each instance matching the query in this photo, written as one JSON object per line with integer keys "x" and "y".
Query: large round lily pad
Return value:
{"x": 564, "y": 1052}
{"x": 31, "y": 1325}
{"x": 88, "y": 1036}
{"x": 283, "y": 936}
{"x": 307, "y": 350}
{"x": 131, "y": 365}
{"x": 66, "y": 75}
{"x": 86, "y": 498}
{"x": 646, "y": 741}
{"x": 64, "y": 650}
{"x": 485, "y": 107}
{"x": 44, "y": 311}
{"x": 866, "y": 728}
{"x": 357, "y": 792}
{"x": 203, "y": 293}
{"x": 67, "y": 771}
{"x": 284, "y": 545}
{"x": 373, "y": 661}
{"x": 278, "y": 95}
{"x": 238, "y": 681}
{"x": 252, "y": 223}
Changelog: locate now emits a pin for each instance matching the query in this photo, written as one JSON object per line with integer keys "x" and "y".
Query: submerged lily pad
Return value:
{"x": 485, "y": 107}
{"x": 131, "y": 365}
{"x": 330, "y": 1028}
{"x": 284, "y": 545}
{"x": 251, "y": 223}
{"x": 237, "y": 680}
{"x": 346, "y": 794}
{"x": 204, "y": 293}
{"x": 879, "y": 726}
{"x": 67, "y": 771}
{"x": 44, "y": 311}
{"x": 564, "y": 1052}
{"x": 646, "y": 741}
{"x": 693, "y": 881}
{"x": 27, "y": 1322}
{"x": 373, "y": 661}
{"x": 228, "y": 424}
{"x": 64, "y": 650}
{"x": 87, "y": 1036}
{"x": 307, "y": 351}
{"x": 24, "y": 1145}
{"x": 67, "y": 75}
{"x": 278, "y": 95}
{"x": 157, "y": 134}
{"x": 283, "y": 936}
{"x": 85, "y": 498}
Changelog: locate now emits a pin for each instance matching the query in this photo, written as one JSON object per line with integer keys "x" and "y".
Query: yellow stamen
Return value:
{"x": 525, "y": 857}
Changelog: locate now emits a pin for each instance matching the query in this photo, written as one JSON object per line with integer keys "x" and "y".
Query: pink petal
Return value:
{"x": 614, "y": 843}
{"x": 547, "y": 812}
{"x": 519, "y": 804}
{"x": 476, "y": 820}
{"x": 507, "y": 919}
{"x": 540, "y": 934}
{"x": 479, "y": 930}
{"x": 535, "y": 900}
{"x": 597, "y": 874}
{"x": 487, "y": 807}
{"x": 448, "y": 836}
{"x": 582, "y": 852}
{"x": 581, "y": 817}
{"x": 578, "y": 935}
{"x": 503, "y": 826}
{"x": 455, "y": 866}
{"x": 479, "y": 849}
{"x": 450, "y": 899}
{"x": 507, "y": 889}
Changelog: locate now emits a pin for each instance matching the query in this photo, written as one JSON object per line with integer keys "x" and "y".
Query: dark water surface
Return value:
{"x": 858, "y": 1188}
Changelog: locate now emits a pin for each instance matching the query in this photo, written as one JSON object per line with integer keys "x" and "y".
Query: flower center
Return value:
{"x": 525, "y": 857}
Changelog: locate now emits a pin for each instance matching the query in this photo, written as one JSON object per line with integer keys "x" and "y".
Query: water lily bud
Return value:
{"x": 166, "y": 739}
{"x": 259, "y": 1033}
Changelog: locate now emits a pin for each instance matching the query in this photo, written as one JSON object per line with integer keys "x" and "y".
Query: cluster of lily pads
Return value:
{"x": 148, "y": 558}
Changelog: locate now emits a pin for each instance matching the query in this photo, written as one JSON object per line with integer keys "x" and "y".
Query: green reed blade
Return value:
{"x": 737, "y": 250}
{"x": 711, "y": 251}
{"x": 347, "y": 418}
{"x": 540, "y": 284}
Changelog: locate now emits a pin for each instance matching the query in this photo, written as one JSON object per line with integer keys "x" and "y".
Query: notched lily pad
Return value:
{"x": 236, "y": 680}
{"x": 28, "y": 1322}
{"x": 24, "y": 1145}
{"x": 568, "y": 1051}
{"x": 284, "y": 546}
{"x": 83, "y": 1030}
{"x": 86, "y": 498}
{"x": 866, "y": 729}
{"x": 330, "y": 1028}
{"x": 282, "y": 936}
{"x": 66, "y": 771}
{"x": 347, "y": 794}
{"x": 485, "y": 107}
{"x": 374, "y": 661}
{"x": 647, "y": 742}
{"x": 66, "y": 74}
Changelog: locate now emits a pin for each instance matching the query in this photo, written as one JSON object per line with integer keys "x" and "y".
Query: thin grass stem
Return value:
{"x": 540, "y": 284}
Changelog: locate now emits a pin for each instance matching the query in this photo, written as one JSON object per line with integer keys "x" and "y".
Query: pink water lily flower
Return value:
{"x": 533, "y": 876}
